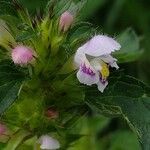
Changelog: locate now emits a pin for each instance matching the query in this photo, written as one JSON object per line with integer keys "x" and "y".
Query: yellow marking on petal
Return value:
{"x": 105, "y": 71}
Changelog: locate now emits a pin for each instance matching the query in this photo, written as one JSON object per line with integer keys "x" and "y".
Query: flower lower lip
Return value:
{"x": 103, "y": 81}
{"x": 87, "y": 70}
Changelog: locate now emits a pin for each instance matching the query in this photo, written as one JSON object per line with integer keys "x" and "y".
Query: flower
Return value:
{"x": 94, "y": 59}
{"x": 2, "y": 129}
{"x": 22, "y": 55}
{"x": 65, "y": 21}
{"x": 48, "y": 143}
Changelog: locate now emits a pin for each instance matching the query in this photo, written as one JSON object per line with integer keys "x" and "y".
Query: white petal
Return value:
{"x": 101, "y": 86}
{"x": 100, "y": 45}
{"x": 114, "y": 65}
{"x": 87, "y": 75}
{"x": 96, "y": 63}
{"x": 110, "y": 60}
{"x": 79, "y": 57}
{"x": 48, "y": 143}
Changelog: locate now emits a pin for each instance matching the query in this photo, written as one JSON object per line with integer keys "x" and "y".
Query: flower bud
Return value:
{"x": 65, "y": 21}
{"x": 52, "y": 113}
{"x": 2, "y": 129}
{"x": 22, "y": 55}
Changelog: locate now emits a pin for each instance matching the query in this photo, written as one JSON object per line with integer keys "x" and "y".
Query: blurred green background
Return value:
{"x": 112, "y": 17}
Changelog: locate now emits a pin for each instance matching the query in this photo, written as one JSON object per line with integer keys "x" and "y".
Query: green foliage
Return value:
{"x": 6, "y": 7}
{"x": 88, "y": 128}
{"x": 10, "y": 84}
{"x": 5, "y": 36}
{"x": 16, "y": 139}
{"x": 130, "y": 50}
{"x": 124, "y": 140}
{"x": 72, "y": 6}
{"x": 130, "y": 96}
{"x": 26, "y": 35}
{"x": 53, "y": 82}
{"x": 93, "y": 137}
{"x": 80, "y": 33}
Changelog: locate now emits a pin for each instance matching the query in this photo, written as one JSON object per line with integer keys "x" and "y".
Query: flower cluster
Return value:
{"x": 93, "y": 61}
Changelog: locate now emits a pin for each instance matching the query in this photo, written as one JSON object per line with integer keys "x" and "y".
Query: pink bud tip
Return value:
{"x": 22, "y": 55}
{"x": 66, "y": 21}
{"x": 2, "y": 129}
{"x": 52, "y": 113}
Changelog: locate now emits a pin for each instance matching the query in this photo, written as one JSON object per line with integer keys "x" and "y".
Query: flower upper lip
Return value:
{"x": 100, "y": 45}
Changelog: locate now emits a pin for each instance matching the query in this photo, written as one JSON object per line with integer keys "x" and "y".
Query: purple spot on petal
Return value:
{"x": 102, "y": 80}
{"x": 87, "y": 71}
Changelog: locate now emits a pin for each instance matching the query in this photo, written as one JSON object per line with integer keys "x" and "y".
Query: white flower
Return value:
{"x": 94, "y": 59}
{"x": 48, "y": 143}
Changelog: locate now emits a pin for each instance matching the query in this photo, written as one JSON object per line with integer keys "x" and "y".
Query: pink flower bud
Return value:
{"x": 2, "y": 129}
{"x": 66, "y": 21}
{"x": 52, "y": 113}
{"x": 22, "y": 55}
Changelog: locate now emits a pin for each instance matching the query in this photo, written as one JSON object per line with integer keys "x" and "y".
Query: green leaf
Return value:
{"x": 124, "y": 140}
{"x": 12, "y": 26}
{"x": 25, "y": 36}
{"x": 8, "y": 93}
{"x": 10, "y": 83}
{"x": 77, "y": 35}
{"x": 22, "y": 13}
{"x": 130, "y": 48}
{"x": 68, "y": 67}
{"x": 61, "y": 6}
{"x": 29, "y": 144}
{"x": 128, "y": 95}
{"x": 17, "y": 139}
{"x": 81, "y": 31}
{"x": 5, "y": 35}
{"x": 71, "y": 94}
